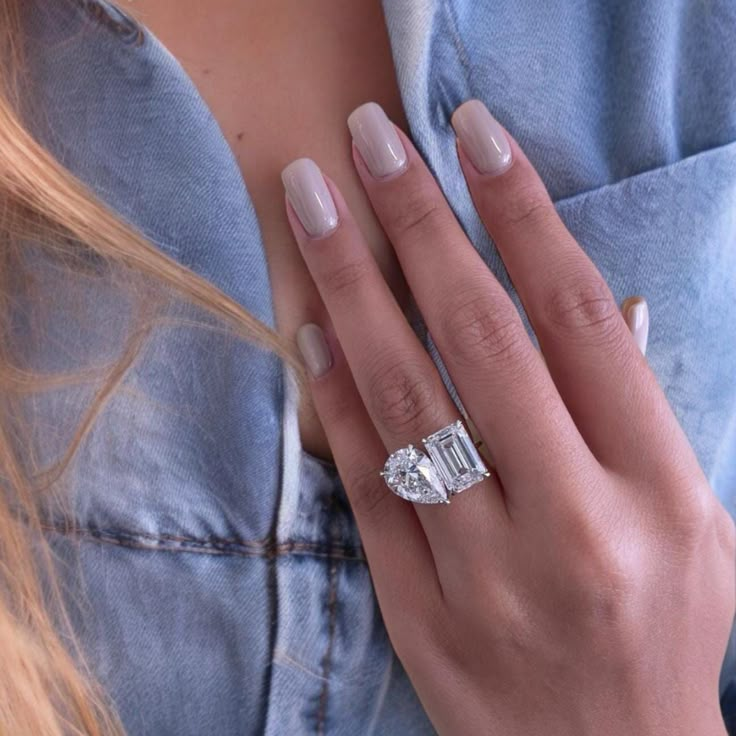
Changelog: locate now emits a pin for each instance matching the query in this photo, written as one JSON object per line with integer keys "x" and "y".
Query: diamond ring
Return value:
{"x": 450, "y": 465}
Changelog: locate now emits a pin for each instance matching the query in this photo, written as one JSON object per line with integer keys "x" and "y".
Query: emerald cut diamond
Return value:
{"x": 409, "y": 473}
{"x": 455, "y": 457}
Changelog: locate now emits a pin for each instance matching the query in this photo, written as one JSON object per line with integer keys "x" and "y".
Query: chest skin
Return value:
{"x": 281, "y": 78}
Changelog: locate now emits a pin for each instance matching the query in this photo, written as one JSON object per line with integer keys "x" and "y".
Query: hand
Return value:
{"x": 587, "y": 586}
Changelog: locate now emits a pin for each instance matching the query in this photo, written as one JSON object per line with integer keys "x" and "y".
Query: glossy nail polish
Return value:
{"x": 482, "y": 139}
{"x": 308, "y": 194}
{"x": 637, "y": 318}
{"x": 377, "y": 140}
{"x": 310, "y": 340}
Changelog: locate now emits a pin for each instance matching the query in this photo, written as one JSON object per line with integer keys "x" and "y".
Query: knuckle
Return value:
{"x": 344, "y": 277}
{"x": 583, "y": 306}
{"x": 695, "y": 517}
{"x": 528, "y": 207}
{"x": 403, "y": 398}
{"x": 417, "y": 213}
{"x": 692, "y": 518}
{"x": 607, "y": 585}
{"x": 480, "y": 330}
{"x": 726, "y": 531}
{"x": 602, "y": 575}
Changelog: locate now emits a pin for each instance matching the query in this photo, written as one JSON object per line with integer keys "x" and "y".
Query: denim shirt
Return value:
{"x": 223, "y": 587}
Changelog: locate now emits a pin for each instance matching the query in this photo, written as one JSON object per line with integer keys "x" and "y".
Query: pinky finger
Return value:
{"x": 398, "y": 554}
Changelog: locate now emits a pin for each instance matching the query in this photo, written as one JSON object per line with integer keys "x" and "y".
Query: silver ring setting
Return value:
{"x": 451, "y": 464}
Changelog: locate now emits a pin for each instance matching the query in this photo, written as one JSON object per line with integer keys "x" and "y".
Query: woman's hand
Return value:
{"x": 587, "y": 586}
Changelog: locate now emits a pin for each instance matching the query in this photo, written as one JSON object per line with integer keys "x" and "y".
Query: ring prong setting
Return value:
{"x": 451, "y": 464}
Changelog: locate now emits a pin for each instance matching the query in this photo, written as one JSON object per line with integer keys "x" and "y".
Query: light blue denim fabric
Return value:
{"x": 224, "y": 589}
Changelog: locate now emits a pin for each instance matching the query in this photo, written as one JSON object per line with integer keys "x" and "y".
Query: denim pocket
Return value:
{"x": 670, "y": 235}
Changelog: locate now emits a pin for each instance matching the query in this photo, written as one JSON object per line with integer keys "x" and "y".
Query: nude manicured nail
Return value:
{"x": 309, "y": 196}
{"x": 314, "y": 349}
{"x": 482, "y": 138}
{"x": 637, "y": 318}
{"x": 377, "y": 140}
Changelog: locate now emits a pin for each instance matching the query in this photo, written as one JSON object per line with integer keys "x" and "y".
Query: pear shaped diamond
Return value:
{"x": 409, "y": 473}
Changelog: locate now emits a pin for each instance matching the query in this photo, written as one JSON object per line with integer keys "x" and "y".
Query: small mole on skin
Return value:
{"x": 239, "y": 136}
{"x": 206, "y": 71}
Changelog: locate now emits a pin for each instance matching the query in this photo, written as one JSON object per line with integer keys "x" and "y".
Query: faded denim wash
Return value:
{"x": 223, "y": 586}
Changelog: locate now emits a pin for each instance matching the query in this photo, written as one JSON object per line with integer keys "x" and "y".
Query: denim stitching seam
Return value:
{"x": 333, "y": 558}
{"x": 267, "y": 548}
{"x": 130, "y": 29}
{"x": 457, "y": 42}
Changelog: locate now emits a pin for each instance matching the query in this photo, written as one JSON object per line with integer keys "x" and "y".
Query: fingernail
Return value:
{"x": 314, "y": 349}
{"x": 377, "y": 140}
{"x": 482, "y": 138}
{"x": 309, "y": 196}
{"x": 637, "y": 318}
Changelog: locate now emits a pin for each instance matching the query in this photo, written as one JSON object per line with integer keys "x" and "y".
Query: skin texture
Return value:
{"x": 237, "y": 52}
{"x": 587, "y": 587}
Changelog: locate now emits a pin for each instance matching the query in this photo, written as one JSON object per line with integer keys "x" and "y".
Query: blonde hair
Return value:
{"x": 45, "y": 687}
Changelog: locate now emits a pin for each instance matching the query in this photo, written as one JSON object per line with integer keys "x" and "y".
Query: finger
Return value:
{"x": 636, "y": 313}
{"x": 396, "y": 547}
{"x": 599, "y": 372}
{"x": 499, "y": 375}
{"x": 397, "y": 380}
